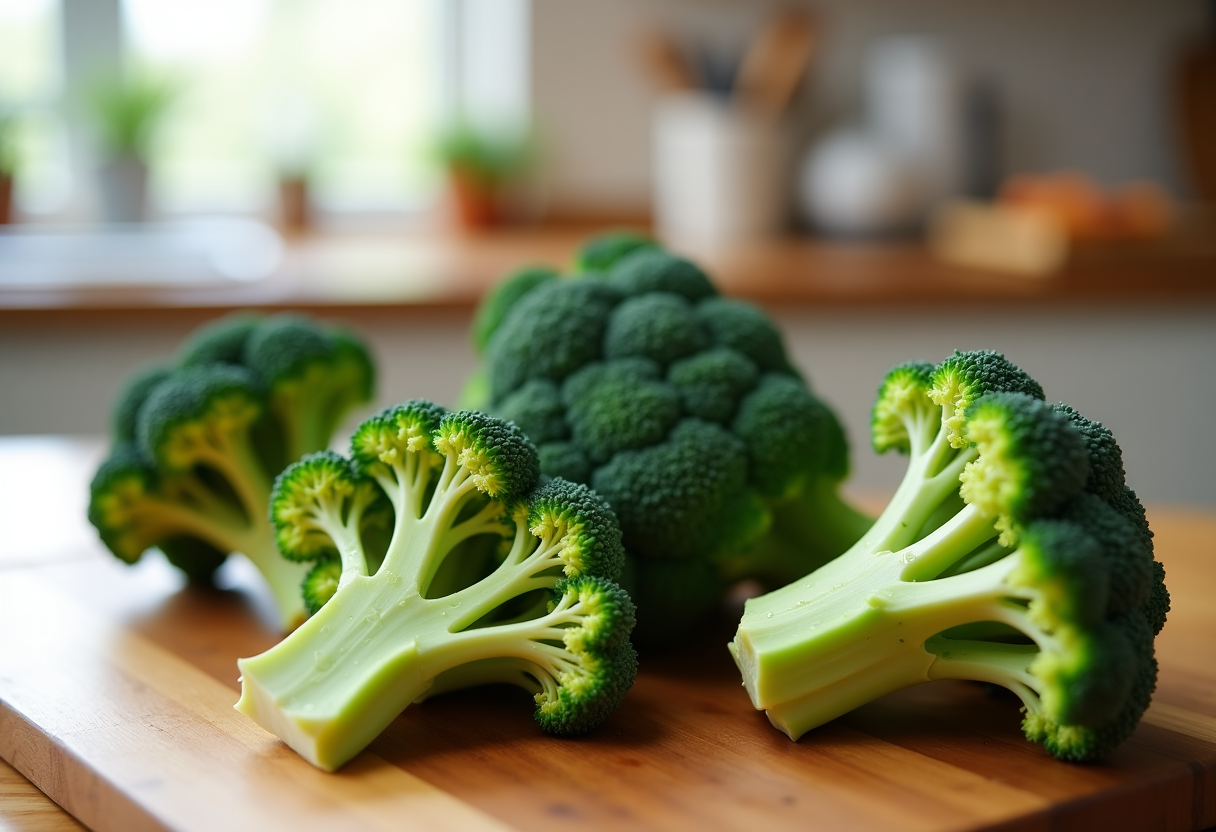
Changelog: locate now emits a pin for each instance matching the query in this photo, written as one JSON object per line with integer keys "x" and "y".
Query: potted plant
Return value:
{"x": 126, "y": 110}
{"x": 479, "y": 167}
{"x": 8, "y": 166}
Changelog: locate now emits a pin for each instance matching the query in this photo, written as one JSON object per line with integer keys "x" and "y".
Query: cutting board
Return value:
{"x": 117, "y": 685}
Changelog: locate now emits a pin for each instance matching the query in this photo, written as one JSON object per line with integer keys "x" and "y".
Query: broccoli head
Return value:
{"x": 197, "y": 443}
{"x": 681, "y": 408}
{"x": 1012, "y": 553}
{"x": 487, "y": 575}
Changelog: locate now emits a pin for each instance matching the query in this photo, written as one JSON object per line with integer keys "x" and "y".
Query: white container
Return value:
{"x": 719, "y": 173}
{"x": 914, "y": 97}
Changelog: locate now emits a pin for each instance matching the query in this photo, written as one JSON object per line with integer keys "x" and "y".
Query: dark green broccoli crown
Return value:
{"x": 602, "y": 252}
{"x": 619, "y": 405}
{"x": 1094, "y": 739}
{"x": 578, "y": 519}
{"x": 960, "y": 380}
{"x": 320, "y": 478}
{"x": 537, "y": 407}
{"x": 354, "y": 363}
{"x": 659, "y": 326}
{"x": 684, "y": 497}
{"x": 132, "y": 398}
{"x": 653, "y": 270}
{"x": 711, "y": 383}
{"x": 185, "y": 413}
{"x": 500, "y": 459}
{"x": 566, "y": 460}
{"x": 1064, "y": 566}
{"x": 221, "y": 341}
{"x": 1127, "y": 563}
{"x": 120, "y": 485}
{"x": 551, "y": 332}
{"x": 746, "y": 329}
{"x": 394, "y": 432}
{"x": 1106, "y": 477}
{"x": 584, "y": 704}
{"x": 197, "y": 559}
{"x": 604, "y": 662}
{"x": 499, "y": 301}
{"x": 790, "y": 437}
{"x": 1158, "y": 605}
{"x": 282, "y": 348}
{"x": 903, "y": 398}
{"x": 321, "y": 583}
{"x": 1031, "y": 461}
{"x": 673, "y": 597}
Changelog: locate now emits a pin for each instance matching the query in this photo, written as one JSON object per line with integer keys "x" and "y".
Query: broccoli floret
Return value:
{"x": 1008, "y": 555}
{"x": 490, "y": 575}
{"x": 606, "y": 250}
{"x": 197, "y": 444}
{"x": 681, "y": 408}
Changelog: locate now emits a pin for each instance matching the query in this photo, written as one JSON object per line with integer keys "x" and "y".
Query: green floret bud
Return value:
{"x": 500, "y": 459}
{"x": 603, "y": 252}
{"x": 500, "y": 300}
{"x": 654, "y": 270}
{"x": 395, "y": 434}
{"x": 120, "y": 487}
{"x": 903, "y": 411}
{"x": 221, "y": 341}
{"x": 711, "y": 383}
{"x": 283, "y": 348}
{"x": 790, "y": 436}
{"x": 1128, "y": 563}
{"x": 619, "y": 405}
{"x": 321, "y": 583}
{"x": 565, "y": 460}
{"x": 193, "y": 417}
{"x": 960, "y": 380}
{"x": 659, "y": 326}
{"x": 538, "y": 409}
{"x": 131, "y": 401}
{"x": 553, "y": 331}
{"x": 582, "y": 523}
{"x": 1158, "y": 605}
{"x": 307, "y": 496}
{"x": 1105, "y": 457}
{"x": 1031, "y": 461}
{"x": 747, "y": 330}
{"x": 682, "y": 497}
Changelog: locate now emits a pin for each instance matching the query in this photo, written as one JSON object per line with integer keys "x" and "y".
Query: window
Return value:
{"x": 350, "y": 91}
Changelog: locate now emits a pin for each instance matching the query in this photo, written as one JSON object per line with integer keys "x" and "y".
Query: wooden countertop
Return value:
{"x": 427, "y": 270}
{"x": 116, "y": 692}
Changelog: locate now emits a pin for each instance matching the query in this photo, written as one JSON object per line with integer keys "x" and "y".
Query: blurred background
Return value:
{"x": 892, "y": 180}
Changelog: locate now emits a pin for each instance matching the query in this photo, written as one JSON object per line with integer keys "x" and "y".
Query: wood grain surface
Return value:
{"x": 117, "y": 685}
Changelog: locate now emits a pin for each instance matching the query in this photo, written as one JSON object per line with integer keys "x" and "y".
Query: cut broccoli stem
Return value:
{"x": 404, "y": 641}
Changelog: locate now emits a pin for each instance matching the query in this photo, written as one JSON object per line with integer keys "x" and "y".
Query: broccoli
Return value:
{"x": 681, "y": 408}
{"x": 488, "y": 575}
{"x": 197, "y": 443}
{"x": 1012, "y": 553}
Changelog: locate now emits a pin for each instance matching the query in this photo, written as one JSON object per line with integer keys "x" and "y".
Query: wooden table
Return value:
{"x": 116, "y": 692}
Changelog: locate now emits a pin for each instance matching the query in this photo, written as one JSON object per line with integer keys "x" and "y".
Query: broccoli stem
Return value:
{"x": 872, "y": 621}
{"x": 352, "y": 668}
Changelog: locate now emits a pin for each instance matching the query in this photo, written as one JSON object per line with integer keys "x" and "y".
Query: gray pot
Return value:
{"x": 122, "y": 190}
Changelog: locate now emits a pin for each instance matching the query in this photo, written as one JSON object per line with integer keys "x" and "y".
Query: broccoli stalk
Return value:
{"x": 429, "y": 613}
{"x": 197, "y": 445}
{"x": 1011, "y": 553}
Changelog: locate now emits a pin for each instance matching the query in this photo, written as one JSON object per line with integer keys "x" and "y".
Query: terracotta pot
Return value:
{"x": 475, "y": 202}
{"x": 294, "y": 207}
{"x": 6, "y": 200}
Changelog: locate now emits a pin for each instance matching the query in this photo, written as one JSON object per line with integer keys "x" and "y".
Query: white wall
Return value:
{"x": 1084, "y": 83}
{"x": 1147, "y": 373}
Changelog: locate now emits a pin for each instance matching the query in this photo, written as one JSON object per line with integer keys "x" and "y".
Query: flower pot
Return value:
{"x": 122, "y": 190}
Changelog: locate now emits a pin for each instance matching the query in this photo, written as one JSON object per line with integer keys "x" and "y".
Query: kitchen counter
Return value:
{"x": 116, "y": 686}
{"x": 428, "y": 271}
